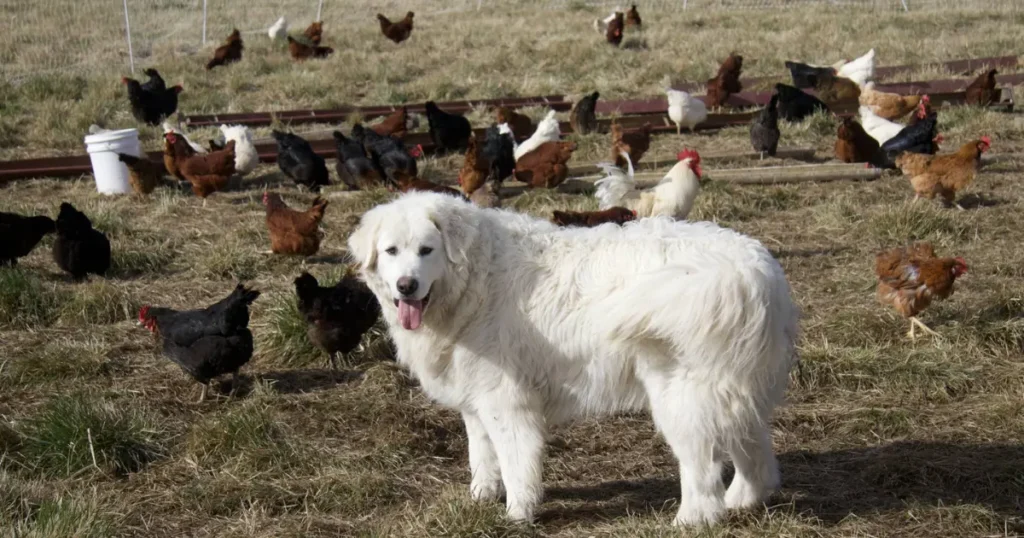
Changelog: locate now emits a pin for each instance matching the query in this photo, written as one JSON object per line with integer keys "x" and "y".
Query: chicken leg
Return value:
{"x": 202, "y": 394}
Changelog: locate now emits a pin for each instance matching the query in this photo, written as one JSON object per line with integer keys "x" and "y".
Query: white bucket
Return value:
{"x": 112, "y": 174}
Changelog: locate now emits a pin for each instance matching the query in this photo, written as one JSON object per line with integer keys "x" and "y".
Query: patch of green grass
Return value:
{"x": 453, "y": 513}
{"x": 99, "y": 302}
{"x": 57, "y": 360}
{"x": 914, "y": 221}
{"x": 246, "y": 438}
{"x": 282, "y": 339}
{"x": 231, "y": 261}
{"x": 65, "y": 517}
{"x": 76, "y": 434}
{"x": 27, "y": 301}
{"x": 127, "y": 262}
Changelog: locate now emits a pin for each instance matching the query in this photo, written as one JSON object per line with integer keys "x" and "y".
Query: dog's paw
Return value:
{"x": 485, "y": 489}
{"x": 695, "y": 512}
{"x": 742, "y": 495}
{"x": 519, "y": 512}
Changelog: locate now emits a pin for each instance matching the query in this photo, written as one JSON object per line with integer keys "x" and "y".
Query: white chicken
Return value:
{"x": 547, "y": 131}
{"x": 684, "y": 109}
{"x": 860, "y": 70}
{"x": 601, "y": 25}
{"x": 279, "y": 30}
{"x": 878, "y": 127}
{"x": 673, "y": 196}
{"x": 176, "y": 129}
{"x": 246, "y": 157}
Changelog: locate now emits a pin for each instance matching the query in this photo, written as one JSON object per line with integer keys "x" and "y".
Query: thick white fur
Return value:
{"x": 672, "y": 197}
{"x": 685, "y": 110}
{"x": 279, "y": 30}
{"x": 860, "y": 70}
{"x": 547, "y": 131}
{"x": 878, "y": 127}
{"x": 246, "y": 158}
{"x": 529, "y": 325}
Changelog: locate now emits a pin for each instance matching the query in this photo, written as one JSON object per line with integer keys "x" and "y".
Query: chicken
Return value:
{"x": 835, "y": 89}
{"x": 633, "y": 17}
{"x": 301, "y": 52}
{"x": 548, "y": 130}
{"x": 634, "y": 143}
{"x": 601, "y": 25}
{"x": 854, "y": 144}
{"x": 449, "y": 132}
{"x": 176, "y": 129}
{"x": 614, "y": 32}
{"x": 910, "y": 278}
{"x": 396, "y": 31}
{"x": 406, "y": 182}
{"x": 878, "y": 127}
{"x": 293, "y": 232}
{"x": 545, "y": 166}
{"x": 982, "y": 92}
{"x": 279, "y": 30}
{"x": 726, "y": 82}
{"x": 672, "y": 197}
{"x": 207, "y": 173}
{"x": 924, "y": 110}
{"x": 229, "y": 52}
{"x": 314, "y": 32}
{"x": 246, "y": 156}
{"x": 921, "y": 137}
{"x": 338, "y": 316}
{"x": 589, "y": 219}
{"x": 684, "y": 109}
{"x": 355, "y": 168}
{"x": 475, "y": 168}
{"x": 860, "y": 70}
{"x": 795, "y": 105}
{"x": 79, "y": 249}
{"x": 583, "y": 117}
{"x": 890, "y": 106}
{"x": 151, "y": 104}
{"x": 488, "y": 196}
{"x": 764, "y": 130}
{"x": 298, "y": 161}
{"x": 944, "y": 175}
{"x": 19, "y": 235}
{"x": 387, "y": 153}
{"x": 396, "y": 124}
{"x": 206, "y": 343}
{"x": 520, "y": 124}
{"x": 143, "y": 174}
{"x": 174, "y": 154}
{"x": 499, "y": 150}
{"x": 806, "y": 76}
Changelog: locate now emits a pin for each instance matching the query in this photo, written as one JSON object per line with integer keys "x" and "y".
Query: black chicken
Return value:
{"x": 806, "y": 76}
{"x": 19, "y": 235}
{"x": 79, "y": 249}
{"x": 583, "y": 117}
{"x": 153, "y": 101}
{"x": 499, "y": 150}
{"x": 449, "y": 132}
{"x": 338, "y": 316}
{"x": 206, "y": 343}
{"x": 764, "y": 131}
{"x": 295, "y": 157}
{"x": 387, "y": 153}
{"x": 916, "y": 138}
{"x": 795, "y": 105}
{"x": 354, "y": 168}
{"x": 156, "y": 85}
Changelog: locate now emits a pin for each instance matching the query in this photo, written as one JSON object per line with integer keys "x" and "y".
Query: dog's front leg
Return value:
{"x": 517, "y": 435}
{"x": 485, "y": 484}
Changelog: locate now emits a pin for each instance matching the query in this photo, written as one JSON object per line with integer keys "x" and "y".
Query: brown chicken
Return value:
{"x": 614, "y": 32}
{"x": 854, "y": 144}
{"x": 396, "y": 31}
{"x": 633, "y": 17}
{"x": 635, "y": 143}
{"x": 982, "y": 91}
{"x": 315, "y": 32}
{"x": 891, "y": 106}
{"x": 207, "y": 172}
{"x": 475, "y": 168}
{"x": 833, "y": 89}
{"x": 545, "y": 167}
{"x": 291, "y": 231}
{"x": 589, "y": 219}
{"x": 143, "y": 174}
{"x": 301, "y": 52}
{"x": 943, "y": 175}
{"x": 521, "y": 125}
{"x": 396, "y": 124}
{"x": 229, "y": 52}
{"x": 910, "y": 278}
{"x": 488, "y": 196}
{"x": 407, "y": 182}
{"x": 174, "y": 153}
{"x": 726, "y": 82}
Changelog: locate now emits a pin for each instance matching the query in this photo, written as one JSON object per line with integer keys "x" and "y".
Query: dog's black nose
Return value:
{"x": 407, "y": 285}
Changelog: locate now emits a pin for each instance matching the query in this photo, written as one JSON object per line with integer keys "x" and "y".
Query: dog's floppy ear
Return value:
{"x": 458, "y": 230}
{"x": 363, "y": 241}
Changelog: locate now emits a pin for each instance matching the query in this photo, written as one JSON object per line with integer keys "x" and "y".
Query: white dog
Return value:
{"x": 520, "y": 325}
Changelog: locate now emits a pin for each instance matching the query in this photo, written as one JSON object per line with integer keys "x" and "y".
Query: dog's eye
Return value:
{"x": 392, "y": 251}
{"x": 425, "y": 251}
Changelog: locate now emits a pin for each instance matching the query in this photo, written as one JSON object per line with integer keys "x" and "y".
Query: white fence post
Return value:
{"x": 204, "y": 22}
{"x": 904, "y": 2}
{"x": 128, "y": 34}
{"x": 320, "y": 10}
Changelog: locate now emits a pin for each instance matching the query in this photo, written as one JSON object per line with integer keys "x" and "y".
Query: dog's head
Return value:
{"x": 414, "y": 251}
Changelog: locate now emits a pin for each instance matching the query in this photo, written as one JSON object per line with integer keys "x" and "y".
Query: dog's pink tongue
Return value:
{"x": 410, "y": 314}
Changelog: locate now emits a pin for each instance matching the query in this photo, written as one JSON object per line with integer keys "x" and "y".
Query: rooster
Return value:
{"x": 684, "y": 109}
{"x": 944, "y": 175}
{"x": 548, "y": 130}
{"x": 293, "y": 232}
{"x": 672, "y": 197}
{"x": 910, "y": 278}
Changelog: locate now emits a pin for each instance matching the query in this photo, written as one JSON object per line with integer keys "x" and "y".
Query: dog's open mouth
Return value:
{"x": 410, "y": 312}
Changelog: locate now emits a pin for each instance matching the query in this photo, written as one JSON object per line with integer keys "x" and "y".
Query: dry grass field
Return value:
{"x": 880, "y": 436}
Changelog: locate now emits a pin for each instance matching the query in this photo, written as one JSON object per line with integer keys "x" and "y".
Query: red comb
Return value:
{"x": 986, "y": 140}
{"x": 689, "y": 154}
{"x": 925, "y": 99}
